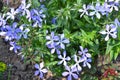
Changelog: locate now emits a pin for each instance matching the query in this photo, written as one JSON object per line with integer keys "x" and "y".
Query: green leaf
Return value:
{"x": 111, "y": 55}
{"x": 35, "y": 3}
{"x": 118, "y": 33}
{"x": 109, "y": 47}
{"x": 78, "y": 1}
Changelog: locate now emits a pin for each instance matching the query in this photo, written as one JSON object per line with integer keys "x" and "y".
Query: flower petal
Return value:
{"x": 59, "y": 56}
{"x": 41, "y": 75}
{"x": 98, "y": 15}
{"x": 103, "y": 32}
{"x": 36, "y": 72}
{"x": 41, "y": 65}
{"x": 69, "y": 77}
{"x": 89, "y": 66}
{"x": 65, "y": 73}
{"x": 66, "y": 41}
{"x": 107, "y": 38}
{"x": 44, "y": 70}
{"x": 62, "y": 46}
{"x": 53, "y": 50}
{"x": 88, "y": 55}
{"x": 79, "y": 68}
{"x": 81, "y": 10}
{"x": 36, "y": 66}
{"x": 68, "y": 58}
{"x": 60, "y": 62}
{"x": 75, "y": 76}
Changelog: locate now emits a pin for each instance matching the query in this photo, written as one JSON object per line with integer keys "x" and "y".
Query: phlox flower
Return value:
{"x": 78, "y": 60}
{"x": 54, "y": 48}
{"x": 111, "y": 30}
{"x": 24, "y": 9}
{"x": 84, "y": 10}
{"x": 62, "y": 41}
{"x": 12, "y": 13}
{"x": 86, "y": 63}
{"x": 84, "y": 53}
{"x": 63, "y": 58}
{"x": 113, "y": 5}
{"x": 37, "y": 17}
{"x": 70, "y": 73}
{"x": 14, "y": 47}
{"x": 11, "y": 32}
{"x": 40, "y": 70}
{"x": 95, "y": 10}
{"x": 51, "y": 39}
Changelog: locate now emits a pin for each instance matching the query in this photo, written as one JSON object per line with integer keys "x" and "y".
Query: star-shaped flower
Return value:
{"x": 84, "y": 53}
{"x": 14, "y": 47}
{"x": 111, "y": 30}
{"x": 70, "y": 73}
{"x": 40, "y": 70}
{"x": 62, "y": 41}
{"x": 95, "y": 10}
{"x": 51, "y": 39}
{"x": 64, "y": 59}
{"x": 78, "y": 60}
{"x": 84, "y": 10}
{"x": 11, "y": 14}
{"x": 24, "y": 8}
{"x": 87, "y": 63}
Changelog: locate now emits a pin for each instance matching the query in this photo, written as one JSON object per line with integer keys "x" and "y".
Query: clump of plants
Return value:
{"x": 3, "y": 67}
{"x": 63, "y": 36}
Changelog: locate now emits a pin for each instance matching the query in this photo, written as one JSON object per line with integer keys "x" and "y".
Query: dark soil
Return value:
{"x": 17, "y": 70}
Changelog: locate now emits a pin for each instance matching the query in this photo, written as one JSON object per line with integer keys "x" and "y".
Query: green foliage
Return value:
{"x": 80, "y": 31}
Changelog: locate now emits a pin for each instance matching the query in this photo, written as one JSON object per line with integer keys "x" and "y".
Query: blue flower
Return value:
{"x": 37, "y": 17}
{"x": 111, "y": 30}
{"x": 54, "y": 48}
{"x": 78, "y": 60}
{"x": 84, "y": 10}
{"x": 11, "y": 32}
{"x": 12, "y": 13}
{"x": 40, "y": 70}
{"x": 62, "y": 41}
{"x": 54, "y": 20}
{"x": 86, "y": 62}
{"x": 70, "y": 73}
{"x": 52, "y": 39}
{"x": 95, "y": 10}
{"x": 113, "y": 4}
{"x": 14, "y": 47}
{"x": 24, "y": 32}
{"x": 84, "y": 53}
{"x": 105, "y": 9}
{"x": 63, "y": 59}
{"x": 85, "y": 57}
{"x": 24, "y": 9}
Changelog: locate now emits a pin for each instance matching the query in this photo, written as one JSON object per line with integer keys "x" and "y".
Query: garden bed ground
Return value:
{"x": 18, "y": 70}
